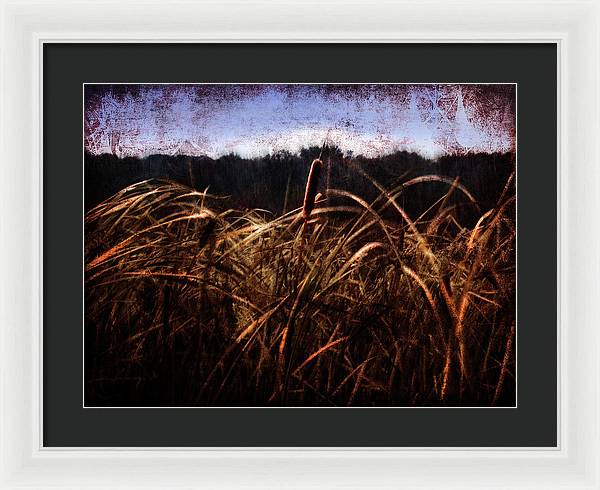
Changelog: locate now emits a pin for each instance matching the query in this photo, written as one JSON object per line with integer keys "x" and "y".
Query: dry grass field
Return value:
{"x": 344, "y": 301}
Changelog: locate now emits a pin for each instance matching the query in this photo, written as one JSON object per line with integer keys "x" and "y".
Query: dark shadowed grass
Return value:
{"x": 191, "y": 303}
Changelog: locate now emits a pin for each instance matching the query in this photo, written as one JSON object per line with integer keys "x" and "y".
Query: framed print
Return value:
{"x": 401, "y": 311}
{"x": 241, "y": 257}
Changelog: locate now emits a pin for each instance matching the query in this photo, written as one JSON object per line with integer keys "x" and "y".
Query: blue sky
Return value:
{"x": 252, "y": 120}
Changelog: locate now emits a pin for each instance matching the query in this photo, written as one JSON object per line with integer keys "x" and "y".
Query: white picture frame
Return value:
{"x": 573, "y": 25}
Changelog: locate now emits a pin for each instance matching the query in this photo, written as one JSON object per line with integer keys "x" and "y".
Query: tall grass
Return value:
{"x": 191, "y": 303}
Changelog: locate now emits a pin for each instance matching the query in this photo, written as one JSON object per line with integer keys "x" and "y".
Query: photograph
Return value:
{"x": 299, "y": 245}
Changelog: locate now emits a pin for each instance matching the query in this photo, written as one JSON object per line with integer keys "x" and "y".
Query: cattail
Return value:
{"x": 311, "y": 188}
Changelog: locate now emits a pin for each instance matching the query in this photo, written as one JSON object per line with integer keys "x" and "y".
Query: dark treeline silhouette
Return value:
{"x": 276, "y": 182}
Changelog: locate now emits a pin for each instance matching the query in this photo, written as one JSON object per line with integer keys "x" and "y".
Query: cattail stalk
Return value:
{"x": 504, "y": 368}
{"x": 311, "y": 188}
{"x": 310, "y": 196}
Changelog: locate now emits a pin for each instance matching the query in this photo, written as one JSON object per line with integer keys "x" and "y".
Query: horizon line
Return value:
{"x": 346, "y": 154}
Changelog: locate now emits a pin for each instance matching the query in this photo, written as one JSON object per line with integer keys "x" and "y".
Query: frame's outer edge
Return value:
{"x": 24, "y": 26}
